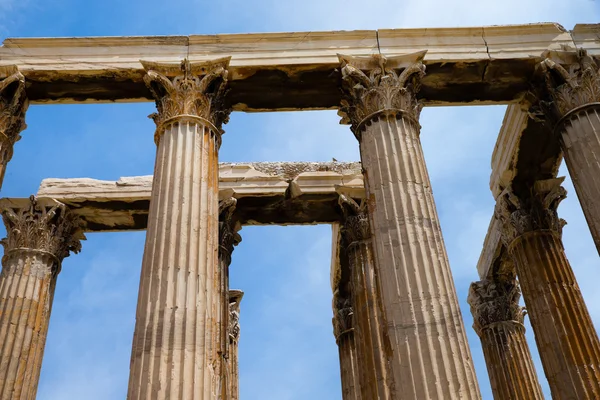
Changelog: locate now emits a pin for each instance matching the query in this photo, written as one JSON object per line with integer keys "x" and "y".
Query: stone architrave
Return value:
{"x": 177, "y": 352}
{"x": 13, "y": 105}
{"x": 343, "y": 330}
{"x": 235, "y": 298}
{"x": 228, "y": 239}
{"x": 571, "y": 103}
{"x": 566, "y": 339}
{"x": 369, "y": 332}
{"x": 429, "y": 354}
{"x": 40, "y": 235}
{"x": 498, "y": 321}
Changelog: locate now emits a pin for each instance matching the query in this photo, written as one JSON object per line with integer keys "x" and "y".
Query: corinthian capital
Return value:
{"x": 534, "y": 212}
{"x": 377, "y": 86}
{"x": 343, "y": 316}
{"x": 47, "y": 226}
{"x": 190, "y": 90}
{"x": 235, "y": 298}
{"x": 13, "y": 104}
{"x": 495, "y": 302}
{"x": 356, "y": 221}
{"x": 570, "y": 82}
{"x": 228, "y": 229}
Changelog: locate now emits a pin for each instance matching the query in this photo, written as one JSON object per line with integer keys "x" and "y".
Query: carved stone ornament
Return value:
{"x": 495, "y": 302}
{"x": 228, "y": 229}
{"x": 356, "y": 221}
{"x": 568, "y": 87}
{"x": 47, "y": 226}
{"x": 377, "y": 86}
{"x": 13, "y": 105}
{"x": 537, "y": 211}
{"x": 343, "y": 317}
{"x": 234, "y": 323}
{"x": 191, "y": 90}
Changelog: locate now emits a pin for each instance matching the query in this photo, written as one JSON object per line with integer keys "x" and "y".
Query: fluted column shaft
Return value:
{"x": 343, "y": 331}
{"x": 370, "y": 330}
{"x": 498, "y": 320}
{"x": 13, "y": 105}
{"x": 235, "y": 298}
{"x": 39, "y": 236}
{"x": 429, "y": 354}
{"x": 572, "y": 105}
{"x": 177, "y": 350}
{"x": 566, "y": 339}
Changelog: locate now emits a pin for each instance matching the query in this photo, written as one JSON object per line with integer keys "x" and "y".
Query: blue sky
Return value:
{"x": 287, "y": 348}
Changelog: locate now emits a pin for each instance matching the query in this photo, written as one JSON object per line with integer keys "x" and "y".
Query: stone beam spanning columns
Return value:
{"x": 570, "y": 100}
{"x": 13, "y": 104}
{"x": 429, "y": 354}
{"x": 370, "y": 334}
{"x": 498, "y": 320}
{"x": 40, "y": 234}
{"x": 565, "y": 336}
{"x": 235, "y": 298}
{"x": 176, "y": 350}
{"x": 343, "y": 330}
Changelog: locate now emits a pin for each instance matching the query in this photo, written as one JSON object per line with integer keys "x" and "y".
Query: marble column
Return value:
{"x": 571, "y": 103}
{"x": 39, "y": 236}
{"x": 13, "y": 105}
{"x": 498, "y": 320}
{"x": 429, "y": 354}
{"x": 343, "y": 330}
{"x": 235, "y": 298}
{"x": 564, "y": 333}
{"x": 228, "y": 239}
{"x": 370, "y": 334}
{"x": 177, "y": 351}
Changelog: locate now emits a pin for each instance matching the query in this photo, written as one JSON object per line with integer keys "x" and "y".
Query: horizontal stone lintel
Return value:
{"x": 296, "y": 70}
{"x": 267, "y": 193}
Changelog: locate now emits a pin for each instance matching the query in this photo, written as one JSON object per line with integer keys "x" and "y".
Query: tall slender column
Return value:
{"x": 13, "y": 104}
{"x": 235, "y": 298}
{"x": 370, "y": 334}
{"x": 429, "y": 353}
{"x": 177, "y": 348}
{"x": 498, "y": 320}
{"x": 571, "y": 102}
{"x": 343, "y": 330}
{"x": 565, "y": 336}
{"x": 39, "y": 236}
{"x": 228, "y": 238}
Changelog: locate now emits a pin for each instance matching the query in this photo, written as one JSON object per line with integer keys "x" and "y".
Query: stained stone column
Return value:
{"x": 565, "y": 336}
{"x": 370, "y": 334}
{"x": 498, "y": 320}
{"x": 571, "y": 101}
{"x": 235, "y": 298}
{"x": 39, "y": 236}
{"x": 343, "y": 330}
{"x": 228, "y": 238}
{"x": 13, "y": 104}
{"x": 429, "y": 354}
{"x": 177, "y": 351}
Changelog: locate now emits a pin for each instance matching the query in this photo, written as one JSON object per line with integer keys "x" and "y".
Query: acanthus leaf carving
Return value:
{"x": 536, "y": 211}
{"x": 495, "y": 302}
{"x": 343, "y": 316}
{"x": 235, "y": 298}
{"x": 190, "y": 90}
{"x": 48, "y": 227}
{"x": 570, "y": 86}
{"x": 374, "y": 87}
{"x": 228, "y": 229}
{"x": 356, "y": 220}
{"x": 13, "y": 105}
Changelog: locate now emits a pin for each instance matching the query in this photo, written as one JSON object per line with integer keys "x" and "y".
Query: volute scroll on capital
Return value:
{"x": 374, "y": 86}
{"x": 13, "y": 105}
{"x": 228, "y": 228}
{"x": 535, "y": 212}
{"x": 571, "y": 82}
{"x": 189, "y": 91}
{"x": 41, "y": 225}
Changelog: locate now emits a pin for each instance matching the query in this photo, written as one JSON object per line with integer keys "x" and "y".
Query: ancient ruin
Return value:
{"x": 396, "y": 318}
